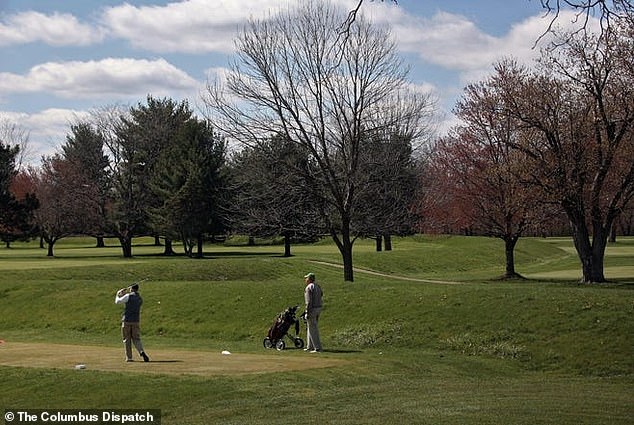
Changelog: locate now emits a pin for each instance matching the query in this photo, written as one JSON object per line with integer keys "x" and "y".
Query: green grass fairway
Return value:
{"x": 426, "y": 334}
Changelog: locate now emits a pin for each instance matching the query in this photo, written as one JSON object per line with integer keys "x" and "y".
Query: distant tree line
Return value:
{"x": 313, "y": 134}
{"x": 156, "y": 169}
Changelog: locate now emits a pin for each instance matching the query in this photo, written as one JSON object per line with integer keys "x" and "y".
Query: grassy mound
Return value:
{"x": 426, "y": 332}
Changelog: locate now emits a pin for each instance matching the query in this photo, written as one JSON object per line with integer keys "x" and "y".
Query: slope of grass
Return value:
{"x": 481, "y": 351}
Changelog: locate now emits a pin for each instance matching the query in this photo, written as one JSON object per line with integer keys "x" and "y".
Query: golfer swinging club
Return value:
{"x": 130, "y": 329}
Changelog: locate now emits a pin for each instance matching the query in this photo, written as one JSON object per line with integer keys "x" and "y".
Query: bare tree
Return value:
{"x": 485, "y": 176}
{"x": 123, "y": 211}
{"x": 607, "y": 11}
{"x": 295, "y": 77}
{"x": 14, "y": 135}
{"x": 269, "y": 198}
{"x": 352, "y": 16}
{"x": 61, "y": 211}
{"x": 579, "y": 133}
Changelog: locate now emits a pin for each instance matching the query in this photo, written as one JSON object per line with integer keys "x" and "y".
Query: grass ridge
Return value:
{"x": 484, "y": 351}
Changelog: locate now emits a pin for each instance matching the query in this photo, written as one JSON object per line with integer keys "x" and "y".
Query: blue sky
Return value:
{"x": 62, "y": 58}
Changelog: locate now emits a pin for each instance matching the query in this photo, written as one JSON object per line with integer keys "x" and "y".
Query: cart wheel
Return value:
{"x": 280, "y": 345}
{"x": 267, "y": 342}
{"x": 299, "y": 343}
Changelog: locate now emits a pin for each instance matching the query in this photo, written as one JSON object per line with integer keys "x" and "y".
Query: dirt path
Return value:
{"x": 390, "y": 276}
{"x": 163, "y": 361}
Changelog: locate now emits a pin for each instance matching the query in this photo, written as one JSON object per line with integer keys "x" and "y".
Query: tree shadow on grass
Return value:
{"x": 211, "y": 255}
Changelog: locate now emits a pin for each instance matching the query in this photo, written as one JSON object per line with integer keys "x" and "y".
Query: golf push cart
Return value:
{"x": 279, "y": 329}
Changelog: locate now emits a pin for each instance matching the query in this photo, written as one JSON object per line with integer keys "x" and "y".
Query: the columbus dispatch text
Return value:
{"x": 95, "y": 417}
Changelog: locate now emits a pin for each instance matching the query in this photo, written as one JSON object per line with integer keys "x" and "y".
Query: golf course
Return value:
{"x": 426, "y": 334}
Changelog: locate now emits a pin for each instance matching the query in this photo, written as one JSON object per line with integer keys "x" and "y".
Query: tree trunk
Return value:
{"x": 388, "y": 242}
{"x": 188, "y": 246}
{"x": 627, "y": 223}
{"x": 199, "y": 242}
{"x": 169, "y": 249}
{"x": 379, "y": 243}
{"x": 157, "y": 240}
{"x": 287, "y": 246}
{"x": 49, "y": 252}
{"x": 348, "y": 273}
{"x": 591, "y": 253}
{"x": 100, "y": 242}
{"x": 126, "y": 246}
{"x": 344, "y": 244}
{"x": 509, "y": 250}
{"x": 599, "y": 243}
{"x": 613, "y": 234}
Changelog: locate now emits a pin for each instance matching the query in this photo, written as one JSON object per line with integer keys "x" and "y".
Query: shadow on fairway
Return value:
{"x": 213, "y": 255}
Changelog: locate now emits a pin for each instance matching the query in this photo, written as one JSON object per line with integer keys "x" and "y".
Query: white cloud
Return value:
{"x": 456, "y": 44}
{"x": 452, "y": 41}
{"x": 193, "y": 26}
{"x": 424, "y": 88}
{"x": 58, "y": 29}
{"x": 218, "y": 73}
{"x": 47, "y": 129}
{"x": 118, "y": 78}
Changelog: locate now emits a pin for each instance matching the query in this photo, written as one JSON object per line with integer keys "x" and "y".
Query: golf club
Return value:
{"x": 140, "y": 281}
{"x": 135, "y": 283}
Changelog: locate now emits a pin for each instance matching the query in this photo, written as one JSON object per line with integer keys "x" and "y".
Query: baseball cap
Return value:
{"x": 310, "y": 276}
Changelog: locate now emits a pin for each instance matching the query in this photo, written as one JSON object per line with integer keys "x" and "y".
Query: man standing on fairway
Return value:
{"x": 130, "y": 329}
{"x": 313, "y": 299}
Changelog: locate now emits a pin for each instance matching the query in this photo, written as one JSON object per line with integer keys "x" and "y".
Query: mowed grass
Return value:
{"x": 473, "y": 350}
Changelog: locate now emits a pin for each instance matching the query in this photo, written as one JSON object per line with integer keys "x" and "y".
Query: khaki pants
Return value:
{"x": 312, "y": 334}
{"x": 131, "y": 333}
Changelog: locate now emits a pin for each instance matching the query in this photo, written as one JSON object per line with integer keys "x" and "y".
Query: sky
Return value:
{"x": 61, "y": 59}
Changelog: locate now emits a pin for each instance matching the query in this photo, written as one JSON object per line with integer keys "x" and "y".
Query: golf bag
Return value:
{"x": 279, "y": 329}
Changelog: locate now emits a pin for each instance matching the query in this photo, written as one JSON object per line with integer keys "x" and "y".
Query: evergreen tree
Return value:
{"x": 15, "y": 214}
{"x": 190, "y": 182}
